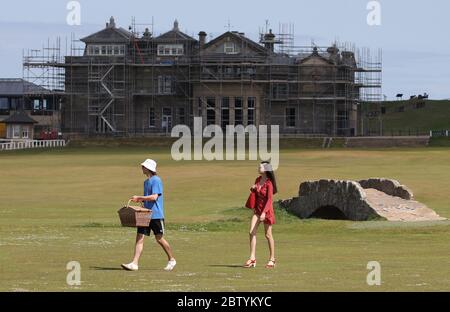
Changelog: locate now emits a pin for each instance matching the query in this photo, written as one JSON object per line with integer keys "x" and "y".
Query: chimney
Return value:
{"x": 112, "y": 23}
{"x": 269, "y": 41}
{"x": 176, "y": 25}
{"x": 202, "y": 38}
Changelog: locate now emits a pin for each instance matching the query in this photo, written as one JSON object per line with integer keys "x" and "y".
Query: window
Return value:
{"x": 44, "y": 104}
{"x": 225, "y": 112}
{"x": 165, "y": 85}
{"x": 4, "y": 103}
{"x": 16, "y": 131}
{"x": 16, "y": 103}
{"x": 166, "y": 119}
{"x": 25, "y": 132}
{"x": 181, "y": 116}
{"x": 280, "y": 91}
{"x": 229, "y": 72}
{"x": 106, "y": 50}
{"x": 152, "y": 117}
{"x": 229, "y": 48}
{"x": 210, "y": 111}
{"x": 238, "y": 116}
{"x": 170, "y": 49}
{"x": 251, "y": 111}
{"x": 36, "y": 104}
{"x": 290, "y": 117}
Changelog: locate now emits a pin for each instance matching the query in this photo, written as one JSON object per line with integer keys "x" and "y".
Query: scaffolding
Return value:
{"x": 142, "y": 93}
{"x": 43, "y": 83}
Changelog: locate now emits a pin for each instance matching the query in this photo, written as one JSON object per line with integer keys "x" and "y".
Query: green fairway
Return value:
{"x": 61, "y": 205}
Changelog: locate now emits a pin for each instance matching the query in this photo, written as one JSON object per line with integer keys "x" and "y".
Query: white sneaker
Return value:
{"x": 130, "y": 267}
{"x": 170, "y": 265}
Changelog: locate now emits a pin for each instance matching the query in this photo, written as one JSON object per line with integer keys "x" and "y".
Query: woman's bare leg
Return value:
{"x": 253, "y": 229}
{"x": 270, "y": 240}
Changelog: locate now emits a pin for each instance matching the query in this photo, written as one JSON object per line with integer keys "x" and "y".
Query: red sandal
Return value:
{"x": 250, "y": 264}
{"x": 271, "y": 264}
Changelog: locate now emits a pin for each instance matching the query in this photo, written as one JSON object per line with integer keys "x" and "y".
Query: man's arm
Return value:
{"x": 151, "y": 198}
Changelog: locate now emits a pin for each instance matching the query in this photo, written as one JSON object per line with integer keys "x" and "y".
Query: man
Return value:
{"x": 153, "y": 199}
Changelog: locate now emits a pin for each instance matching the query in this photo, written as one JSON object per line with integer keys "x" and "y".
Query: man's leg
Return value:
{"x": 165, "y": 245}
{"x": 139, "y": 247}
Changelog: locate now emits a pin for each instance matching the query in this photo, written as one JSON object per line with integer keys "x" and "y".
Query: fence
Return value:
{"x": 17, "y": 145}
{"x": 439, "y": 133}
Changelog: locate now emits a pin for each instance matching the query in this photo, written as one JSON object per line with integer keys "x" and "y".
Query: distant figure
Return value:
{"x": 399, "y": 96}
{"x": 425, "y": 95}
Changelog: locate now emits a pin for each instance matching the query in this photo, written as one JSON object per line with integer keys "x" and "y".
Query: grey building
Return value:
{"x": 21, "y": 96}
{"x": 129, "y": 84}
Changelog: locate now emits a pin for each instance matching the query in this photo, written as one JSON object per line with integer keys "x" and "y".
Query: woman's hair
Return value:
{"x": 271, "y": 176}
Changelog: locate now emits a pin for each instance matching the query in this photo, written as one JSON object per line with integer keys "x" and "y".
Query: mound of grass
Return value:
{"x": 410, "y": 117}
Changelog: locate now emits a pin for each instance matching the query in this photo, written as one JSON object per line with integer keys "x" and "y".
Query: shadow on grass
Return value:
{"x": 106, "y": 268}
{"x": 226, "y": 266}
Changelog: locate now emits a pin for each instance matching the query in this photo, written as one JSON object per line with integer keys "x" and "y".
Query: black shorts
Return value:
{"x": 156, "y": 225}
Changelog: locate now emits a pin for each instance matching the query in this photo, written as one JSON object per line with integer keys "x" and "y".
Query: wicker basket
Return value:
{"x": 135, "y": 216}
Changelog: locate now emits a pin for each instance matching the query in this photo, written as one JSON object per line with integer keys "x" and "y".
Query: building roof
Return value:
{"x": 18, "y": 86}
{"x": 19, "y": 118}
{"x": 110, "y": 34}
{"x": 174, "y": 35}
{"x": 317, "y": 55}
{"x": 239, "y": 37}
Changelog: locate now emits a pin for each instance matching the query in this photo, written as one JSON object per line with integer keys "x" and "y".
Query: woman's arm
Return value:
{"x": 255, "y": 185}
{"x": 269, "y": 202}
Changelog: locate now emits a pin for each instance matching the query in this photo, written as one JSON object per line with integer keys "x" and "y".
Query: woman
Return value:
{"x": 262, "y": 193}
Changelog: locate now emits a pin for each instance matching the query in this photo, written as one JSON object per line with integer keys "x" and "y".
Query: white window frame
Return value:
{"x": 166, "y": 85}
{"x": 36, "y": 104}
{"x": 14, "y": 128}
{"x": 251, "y": 109}
{"x": 25, "y": 132}
{"x": 152, "y": 121}
{"x": 230, "y": 48}
{"x": 170, "y": 50}
{"x": 106, "y": 50}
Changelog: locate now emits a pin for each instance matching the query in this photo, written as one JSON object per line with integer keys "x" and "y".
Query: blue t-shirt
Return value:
{"x": 154, "y": 186}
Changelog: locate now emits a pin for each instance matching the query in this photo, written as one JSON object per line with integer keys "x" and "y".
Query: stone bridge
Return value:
{"x": 358, "y": 201}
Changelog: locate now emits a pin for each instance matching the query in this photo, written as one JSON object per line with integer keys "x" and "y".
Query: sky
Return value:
{"x": 412, "y": 34}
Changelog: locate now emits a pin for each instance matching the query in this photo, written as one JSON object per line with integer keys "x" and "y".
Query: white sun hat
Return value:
{"x": 150, "y": 164}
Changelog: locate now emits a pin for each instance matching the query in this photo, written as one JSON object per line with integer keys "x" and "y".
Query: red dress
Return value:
{"x": 263, "y": 200}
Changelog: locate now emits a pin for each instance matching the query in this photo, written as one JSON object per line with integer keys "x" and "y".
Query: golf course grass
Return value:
{"x": 60, "y": 205}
